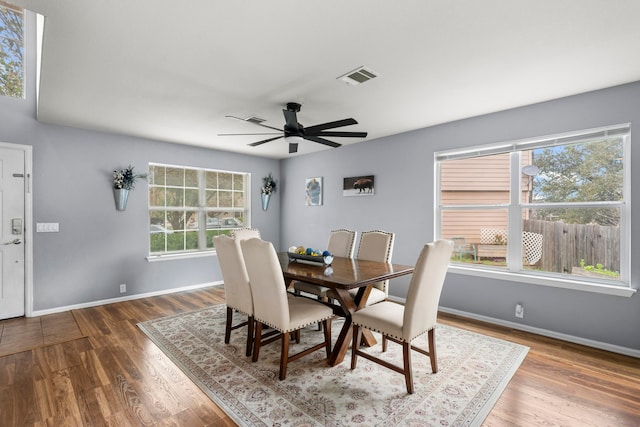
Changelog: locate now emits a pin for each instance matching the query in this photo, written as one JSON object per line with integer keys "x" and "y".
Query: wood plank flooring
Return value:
{"x": 107, "y": 373}
{"x": 27, "y": 333}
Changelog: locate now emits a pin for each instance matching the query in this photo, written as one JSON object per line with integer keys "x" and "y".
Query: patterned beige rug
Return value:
{"x": 474, "y": 370}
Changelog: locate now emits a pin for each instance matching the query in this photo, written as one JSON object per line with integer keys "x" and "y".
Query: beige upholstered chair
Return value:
{"x": 374, "y": 245}
{"x": 236, "y": 286}
{"x": 402, "y": 324}
{"x": 273, "y": 307}
{"x": 341, "y": 244}
{"x": 245, "y": 233}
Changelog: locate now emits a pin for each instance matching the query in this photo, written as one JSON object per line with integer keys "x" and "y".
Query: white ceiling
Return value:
{"x": 172, "y": 70}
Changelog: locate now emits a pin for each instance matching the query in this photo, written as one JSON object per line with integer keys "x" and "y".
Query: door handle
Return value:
{"x": 13, "y": 242}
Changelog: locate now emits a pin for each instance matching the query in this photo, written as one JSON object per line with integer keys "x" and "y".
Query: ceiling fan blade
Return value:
{"x": 322, "y": 141}
{"x": 291, "y": 120}
{"x": 293, "y": 147}
{"x": 331, "y": 125}
{"x": 341, "y": 134}
{"x": 247, "y": 134}
{"x": 255, "y": 144}
{"x": 255, "y": 123}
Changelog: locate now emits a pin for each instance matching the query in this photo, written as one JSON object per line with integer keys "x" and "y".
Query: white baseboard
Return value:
{"x": 544, "y": 332}
{"x": 120, "y": 299}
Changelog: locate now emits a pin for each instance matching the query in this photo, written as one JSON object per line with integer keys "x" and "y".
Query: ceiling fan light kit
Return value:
{"x": 293, "y": 132}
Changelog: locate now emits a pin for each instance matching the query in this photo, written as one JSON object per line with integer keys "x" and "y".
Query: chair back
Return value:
{"x": 270, "y": 304}
{"x": 342, "y": 243}
{"x": 376, "y": 245}
{"x": 423, "y": 297}
{"x": 245, "y": 233}
{"x": 234, "y": 274}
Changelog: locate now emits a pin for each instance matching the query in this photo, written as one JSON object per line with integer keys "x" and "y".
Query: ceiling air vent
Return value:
{"x": 358, "y": 76}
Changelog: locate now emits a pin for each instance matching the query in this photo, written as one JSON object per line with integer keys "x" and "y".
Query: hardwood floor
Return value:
{"x": 112, "y": 375}
{"x": 27, "y": 333}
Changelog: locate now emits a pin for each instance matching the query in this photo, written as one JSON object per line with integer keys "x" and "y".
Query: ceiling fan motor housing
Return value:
{"x": 293, "y": 106}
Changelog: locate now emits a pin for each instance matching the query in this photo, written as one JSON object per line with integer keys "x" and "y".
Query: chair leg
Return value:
{"x": 355, "y": 345}
{"x": 250, "y": 324}
{"x": 284, "y": 356}
{"x": 327, "y": 336}
{"x": 256, "y": 342}
{"x": 408, "y": 373}
{"x": 227, "y": 330}
{"x": 384, "y": 343}
{"x": 323, "y": 299}
{"x": 432, "y": 350}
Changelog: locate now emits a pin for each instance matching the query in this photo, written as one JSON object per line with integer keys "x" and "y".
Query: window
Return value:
{"x": 11, "y": 50}
{"x": 188, "y": 206}
{"x": 555, "y": 207}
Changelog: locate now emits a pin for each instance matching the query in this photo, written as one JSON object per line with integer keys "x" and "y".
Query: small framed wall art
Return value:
{"x": 359, "y": 186}
{"x": 313, "y": 191}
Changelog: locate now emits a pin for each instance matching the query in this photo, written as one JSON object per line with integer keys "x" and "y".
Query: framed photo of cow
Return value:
{"x": 359, "y": 186}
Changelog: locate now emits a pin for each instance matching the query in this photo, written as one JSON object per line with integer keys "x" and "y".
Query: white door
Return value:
{"x": 12, "y": 254}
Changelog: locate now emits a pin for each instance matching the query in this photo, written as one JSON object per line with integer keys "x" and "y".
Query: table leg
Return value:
{"x": 342, "y": 343}
{"x": 350, "y": 305}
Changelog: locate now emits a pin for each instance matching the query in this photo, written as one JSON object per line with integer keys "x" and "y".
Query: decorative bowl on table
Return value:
{"x": 314, "y": 256}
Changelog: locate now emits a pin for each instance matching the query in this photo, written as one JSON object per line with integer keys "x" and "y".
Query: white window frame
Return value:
{"x": 514, "y": 271}
{"x": 201, "y": 210}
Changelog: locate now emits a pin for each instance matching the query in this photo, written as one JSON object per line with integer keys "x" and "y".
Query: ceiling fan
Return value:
{"x": 292, "y": 128}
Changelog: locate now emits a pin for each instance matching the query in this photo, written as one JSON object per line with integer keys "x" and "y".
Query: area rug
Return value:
{"x": 473, "y": 371}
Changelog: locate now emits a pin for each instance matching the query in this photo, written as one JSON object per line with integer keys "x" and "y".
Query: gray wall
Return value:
{"x": 404, "y": 203}
{"x": 98, "y": 247}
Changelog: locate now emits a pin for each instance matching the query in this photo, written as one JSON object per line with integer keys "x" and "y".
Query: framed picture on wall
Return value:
{"x": 359, "y": 186}
{"x": 313, "y": 191}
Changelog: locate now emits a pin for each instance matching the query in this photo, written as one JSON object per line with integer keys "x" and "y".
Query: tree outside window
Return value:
{"x": 11, "y": 50}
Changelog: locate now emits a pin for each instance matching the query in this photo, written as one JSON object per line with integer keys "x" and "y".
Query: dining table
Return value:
{"x": 343, "y": 275}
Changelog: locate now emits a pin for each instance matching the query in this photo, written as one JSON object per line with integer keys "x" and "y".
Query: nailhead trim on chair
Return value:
{"x": 238, "y": 310}
{"x": 393, "y": 336}
{"x": 292, "y": 330}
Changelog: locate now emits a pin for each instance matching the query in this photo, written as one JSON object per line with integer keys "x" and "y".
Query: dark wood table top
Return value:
{"x": 343, "y": 273}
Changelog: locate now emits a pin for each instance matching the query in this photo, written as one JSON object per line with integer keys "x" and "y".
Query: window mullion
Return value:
{"x": 202, "y": 214}
{"x": 514, "y": 245}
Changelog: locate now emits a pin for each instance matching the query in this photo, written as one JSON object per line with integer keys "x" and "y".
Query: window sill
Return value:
{"x": 173, "y": 257}
{"x": 577, "y": 285}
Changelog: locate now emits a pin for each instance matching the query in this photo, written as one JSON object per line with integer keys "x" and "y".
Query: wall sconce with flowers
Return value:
{"x": 269, "y": 186}
{"x": 123, "y": 181}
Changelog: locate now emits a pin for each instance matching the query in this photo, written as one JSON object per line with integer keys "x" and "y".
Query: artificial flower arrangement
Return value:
{"x": 269, "y": 185}
{"x": 125, "y": 178}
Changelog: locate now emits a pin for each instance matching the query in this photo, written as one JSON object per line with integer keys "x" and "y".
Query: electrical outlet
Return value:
{"x": 123, "y": 288}
{"x": 520, "y": 311}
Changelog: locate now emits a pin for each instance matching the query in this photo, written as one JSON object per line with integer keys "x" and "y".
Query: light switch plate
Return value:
{"x": 47, "y": 227}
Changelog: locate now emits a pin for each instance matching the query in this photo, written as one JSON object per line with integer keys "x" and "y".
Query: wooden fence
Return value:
{"x": 565, "y": 245}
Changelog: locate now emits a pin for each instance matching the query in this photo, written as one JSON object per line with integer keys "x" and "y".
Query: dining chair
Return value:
{"x": 245, "y": 233}
{"x": 341, "y": 244}
{"x": 375, "y": 245}
{"x": 402, "y": 324}
{"x": 236, "y": 286}
{"x": 273, "y": 307}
